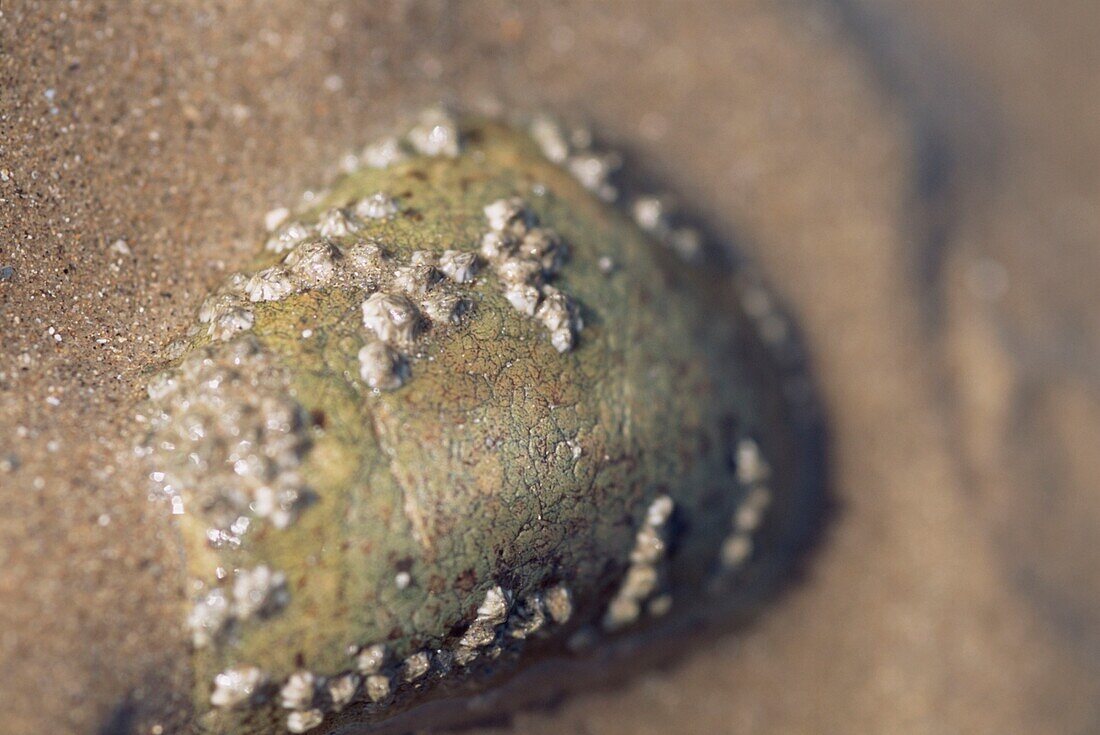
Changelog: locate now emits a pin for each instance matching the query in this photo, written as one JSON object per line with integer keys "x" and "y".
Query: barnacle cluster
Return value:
{"x": 461, "y": 415}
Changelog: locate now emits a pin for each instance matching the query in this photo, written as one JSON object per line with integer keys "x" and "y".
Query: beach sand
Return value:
{"x": 918, "y": 184}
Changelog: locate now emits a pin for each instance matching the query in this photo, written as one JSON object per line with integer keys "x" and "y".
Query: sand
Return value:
{"x": 918, "y": 183}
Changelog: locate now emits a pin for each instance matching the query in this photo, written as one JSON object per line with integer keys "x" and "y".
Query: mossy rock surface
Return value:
{"x": 611, "y": 475}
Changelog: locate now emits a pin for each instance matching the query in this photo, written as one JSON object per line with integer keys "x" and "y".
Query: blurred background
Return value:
{"x": 918, "y": 180}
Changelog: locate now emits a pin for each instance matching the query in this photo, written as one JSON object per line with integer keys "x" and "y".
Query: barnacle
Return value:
{"x": 462, "y": 416}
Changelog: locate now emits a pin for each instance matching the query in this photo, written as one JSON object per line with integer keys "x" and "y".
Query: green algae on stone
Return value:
{"x": 459, "y": 416}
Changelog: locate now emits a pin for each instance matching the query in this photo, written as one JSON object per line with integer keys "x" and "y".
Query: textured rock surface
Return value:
{"x": 361, "y": 545}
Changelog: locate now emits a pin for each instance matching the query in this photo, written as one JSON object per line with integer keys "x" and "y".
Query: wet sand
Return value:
{"x": 920, "y": 191}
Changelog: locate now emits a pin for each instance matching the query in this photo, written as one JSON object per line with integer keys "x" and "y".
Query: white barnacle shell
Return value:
{"x": 649, "y": 547}
{"x": 237, "y": 685}
{"x": 558, "y": 314}
{"x": 621, "y": 612}
{"x": 563, "y": 339}
{"x": 750, "y": 513}
{"x": 229, "y": 323}
{"x": 416, "y": 665}
{"x": 508, "y": 215}
{"x": 370, "y": 659}
{"x": 523, "y": 297}
{"x": 519, "y": 270}
{"x": 736, "y": 550}
{"x": 660, "y": 605}
{"x": 365, "y": 259}
{"x": 495, "y": 245}
{"x": 651, "y": 214}
{"x": 341, "y": 690}
{"x": 217, "y": 304}
{"x": 494, "y": 608}
{"x": 445, "y": 308}
{"x": 550, "y": 138}
{"x": 658, "y": 512}
{"x": 279, "y": 503}
{"x": 643, "y": 577}
{"x": 556, "y": 310}
{"x": 423, "y": 257}
{"x": 259, "y": 591}
{"x": 304, "y": 721}
{"x": 528, "y": 618}
{"x": 640, "y": 581}
{"x": 464, "y": 654}
{"x": 299, "y": 690}
{"x": 751, "y": 465}
{"x": 381, "y": 367}
{"x": 393, "y": 318}
{"x": 313, "y": 263}
{"x": 416, "y": 279}
{"x": 287, "y": 237}
{"x": 593, "y": 171}
{"x": 544, "y": 247}
{"x": 436, "y": 134}
{"x": 376, "y": 206}
{"x": 337, "y": 222}
{"x": 459, "y": 266}
{"x": 269, "y": 284}
{"x": 208, "y": 617}
{"x": 479, "y": 634}
{"x": 559, "y": 603}
{"x": 378, "y": 687}
{"x": 492, "y": 613}
{"x": 275, "y": 217}
{"x": 235, "y": 284}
